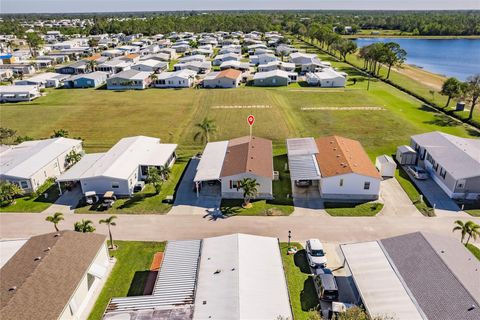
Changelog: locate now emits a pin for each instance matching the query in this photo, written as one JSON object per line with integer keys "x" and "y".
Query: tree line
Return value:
{"x": 418, "y": 23}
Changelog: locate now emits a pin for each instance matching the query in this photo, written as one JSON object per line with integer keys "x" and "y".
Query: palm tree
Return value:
{"x": 473, "y": 231}
{"x": 207, "y": 126}
{"x": 92, "y": 64}
{"x": 250, "y": 190}
{"x": 55, "y": 219}
{"x": 164, "y": 172}
{"x": 72, "y": 158}
{"x": 469, "y": 228}
{"x": 109, "y": 222}
{"x": 84, "y": 226}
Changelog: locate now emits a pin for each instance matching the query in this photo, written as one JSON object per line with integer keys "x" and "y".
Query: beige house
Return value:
{"x": 229, "y": 78}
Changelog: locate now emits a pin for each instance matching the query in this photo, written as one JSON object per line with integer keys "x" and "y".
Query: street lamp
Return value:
{"x": 289, "y": 237}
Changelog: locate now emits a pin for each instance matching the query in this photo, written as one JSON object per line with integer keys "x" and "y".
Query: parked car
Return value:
{"x": 418, "y": 173}
{"x": 303, "y": 183}
{"x": 315, "y": 254}
{"x": 326, "y": 287}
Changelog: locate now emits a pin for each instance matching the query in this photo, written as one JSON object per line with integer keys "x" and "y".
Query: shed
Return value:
{"x": 386, "y": 166}
{"x": 406, "y": 155}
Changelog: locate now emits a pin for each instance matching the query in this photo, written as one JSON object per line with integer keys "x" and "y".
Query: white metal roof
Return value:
{"x": 8, "y": 248}
{"x": 302, "y": 162}
{"x": 381, "y": 290}
{"x": 241, "y": 277}
{"x": 385, "y": 159}
{"x": 29, "y": 157}
{"x": 126, "y": 156}
{"x": 269, "y": 74}
{"x": 77, "y": 171}
{"x": 17, "y": 89}
{"x": 211, "y": 163}
{"x": 175, "y": 284}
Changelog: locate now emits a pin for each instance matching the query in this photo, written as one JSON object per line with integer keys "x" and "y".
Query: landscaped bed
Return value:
{"x": 146, "y": 201}
{"x": 36, "y": 202}
{"x": 303, "y": 297}
{"x": 130, "y": 273}
{"x": 342, "y": 209}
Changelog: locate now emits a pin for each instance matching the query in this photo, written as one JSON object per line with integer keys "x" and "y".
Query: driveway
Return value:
{"x": 434, "y": 194}
{"x": 186, "y": 200}
{"x": 396, "y": 202}
{"x": 67, "y": 202}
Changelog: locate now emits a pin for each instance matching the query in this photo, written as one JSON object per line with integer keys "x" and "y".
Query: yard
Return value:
{"x": 368, "y": 209}
{"x": 36, "y": 202}
{"x": 129, "y": 274}
{"x": 474, "y": 250}
{"x": 280, "y": 206}
{"x": 303, "y": 297}
{"x": 146, "y": 201}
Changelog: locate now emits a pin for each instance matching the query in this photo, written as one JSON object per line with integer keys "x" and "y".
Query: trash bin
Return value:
{"x": 460, "y": 106}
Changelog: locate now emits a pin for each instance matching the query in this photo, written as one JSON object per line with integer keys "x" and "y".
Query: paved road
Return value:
{"x": 165, "y": 227}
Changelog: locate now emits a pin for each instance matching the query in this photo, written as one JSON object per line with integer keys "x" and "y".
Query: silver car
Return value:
{"x": 418, "y": 173}
{"x": 315, "y": 254}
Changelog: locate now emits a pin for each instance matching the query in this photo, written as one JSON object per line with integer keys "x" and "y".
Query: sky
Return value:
{"x": 69, "y": 6}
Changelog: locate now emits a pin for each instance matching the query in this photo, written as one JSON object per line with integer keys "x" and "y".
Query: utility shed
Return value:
{"x": 386, "y": 166}
{"x": 406, "y": 155}
{"x": 241, "y": 277}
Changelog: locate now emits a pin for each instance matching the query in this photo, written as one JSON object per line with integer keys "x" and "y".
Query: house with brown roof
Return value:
{"x": 226, "y": 163}
{"x": 229, "y": 78}
{"x": 339, "y": 167}
{"x": 54, "y": 276}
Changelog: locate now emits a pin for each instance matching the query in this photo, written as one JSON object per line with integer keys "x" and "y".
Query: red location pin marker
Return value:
{"x": 251, "y": 120}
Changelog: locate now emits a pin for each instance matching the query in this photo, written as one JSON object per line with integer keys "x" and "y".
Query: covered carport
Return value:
{"x": 303, "y": 166}
{"x": 75, "y": 174}
{"x": 209, "y": 169}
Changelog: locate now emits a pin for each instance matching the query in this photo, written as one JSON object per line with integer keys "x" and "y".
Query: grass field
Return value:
{"x": 129, "y": 275}
{"x": 34, "y": 203}
{"x": 146, "y": 201}
{"x": 368, "y": 209}
{"x": 474, "y": 250}
{"x": 303, "y": 297}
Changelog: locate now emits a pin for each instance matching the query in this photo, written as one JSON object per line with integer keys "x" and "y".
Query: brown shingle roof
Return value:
{"x": 248, "y": 155}
{"x": 45, "y": 286}
{"x": 229, "y": 73}
{"x": 339, "y": 155}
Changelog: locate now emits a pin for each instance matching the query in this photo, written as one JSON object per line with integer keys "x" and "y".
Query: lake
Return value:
{"x": 458, "y": 58}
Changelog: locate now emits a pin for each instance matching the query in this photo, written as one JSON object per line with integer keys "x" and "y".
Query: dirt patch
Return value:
{"x": 341, "y": 108}
{"x": 434, "y": 81}
{"x": 243, "y": 107}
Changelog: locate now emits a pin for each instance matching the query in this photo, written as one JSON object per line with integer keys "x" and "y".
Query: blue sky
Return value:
{"x": 42, "y": 6}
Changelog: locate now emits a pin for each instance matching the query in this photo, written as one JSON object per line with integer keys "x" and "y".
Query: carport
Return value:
{"x": 303, "y": 166}
{"x": 209, "y": 169}
{"x": 76, "y": 172}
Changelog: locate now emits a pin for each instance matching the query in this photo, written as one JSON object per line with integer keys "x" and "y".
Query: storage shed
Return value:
{"x": 386, "y": 166}
{"x": 406, "y": 155}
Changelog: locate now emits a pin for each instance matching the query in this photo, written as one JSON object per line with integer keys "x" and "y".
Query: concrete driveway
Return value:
{"x": 434, "y": 194}
{"x": 67, "y": 202}
{"x": 396, "y": 202}
{"x": 186, "y": 200}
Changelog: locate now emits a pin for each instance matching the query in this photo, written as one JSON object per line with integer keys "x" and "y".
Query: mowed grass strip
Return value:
{"x": 129, "y": 275}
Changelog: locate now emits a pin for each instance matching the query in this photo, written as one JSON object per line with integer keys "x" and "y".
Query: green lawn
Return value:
{"x": 413, "y": 193}
{"x": 473, "y": 212}
{"x": 129, "y": 274}
{"x": 474, "y": 250}
{"x": 34, "y": 203}
{"x": 303, "y": 297}
{"x": 368, "y": 209}
{"x": 146, "y": 201}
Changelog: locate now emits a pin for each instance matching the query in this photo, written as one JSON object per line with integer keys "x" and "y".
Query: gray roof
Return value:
{"x": 301, "y": 159}
{"x": 460, "y": 157}
{"x": 97, "y": 75}
{"x": 430, "y": 278}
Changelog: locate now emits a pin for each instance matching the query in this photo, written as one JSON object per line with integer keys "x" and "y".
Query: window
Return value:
{"x": 24, "y": 184}
{"x": 443, "y": 173}
{"x": 366, "y": 185}
{"x": 90, "y": 280}
{"x": 341, "y": 182}
{"x": 115, "y": 185}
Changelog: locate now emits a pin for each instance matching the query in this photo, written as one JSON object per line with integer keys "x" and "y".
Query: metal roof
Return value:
{"x": 76, "y": 172}
{"x": 211, "y": 163}
{"x": 241, "y": 277}
{"x": 175, "y": 284}
{"x": 302, "y": 162}
{"x": 381, "y": 290}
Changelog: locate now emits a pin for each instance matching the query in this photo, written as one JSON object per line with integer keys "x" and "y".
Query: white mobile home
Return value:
{"x": 120, "y": 168}
{"x": 223, "y": 79}
{"x": 177, "y": 79}
{"x": 30, "y": 163}
{"x": 327, "y": 78}
{"x": 18, "y": 93}
{"x": 129, "y": 80}
{"x": 228, "y": 162}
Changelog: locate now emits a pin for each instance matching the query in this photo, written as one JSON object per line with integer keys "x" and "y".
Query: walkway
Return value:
{"x": 67, "y": 202}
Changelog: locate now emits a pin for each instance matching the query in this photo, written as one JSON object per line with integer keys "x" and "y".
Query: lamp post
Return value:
{"x": 289, "y": 237}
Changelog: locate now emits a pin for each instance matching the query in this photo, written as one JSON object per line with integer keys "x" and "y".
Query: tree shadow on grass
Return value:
{"x": 443, "y": 121}
{"x": 137, "y": 286}
{"x": 136, "y": 199}
{"x": 427, "y": 108}
{"x": 473, "y": 132}
{"x": 229, "y": 211}
{"x": 300, "y": 260}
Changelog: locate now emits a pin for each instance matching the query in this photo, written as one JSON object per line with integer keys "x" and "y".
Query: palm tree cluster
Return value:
{"x": 8, "y": 193}
{"x": 469, "y": 228}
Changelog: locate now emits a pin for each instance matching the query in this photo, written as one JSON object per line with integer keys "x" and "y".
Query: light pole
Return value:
{"x": 289, "y": 237}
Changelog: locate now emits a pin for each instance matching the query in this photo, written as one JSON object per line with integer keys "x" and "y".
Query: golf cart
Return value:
{"x": 108, "y": 199}
{"x": 91, "y": 197}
